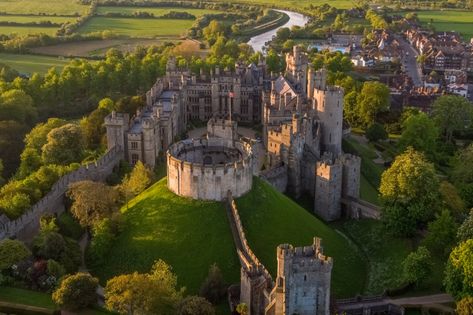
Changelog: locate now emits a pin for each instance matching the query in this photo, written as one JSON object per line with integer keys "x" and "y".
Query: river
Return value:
{"x": 259, "y": 41}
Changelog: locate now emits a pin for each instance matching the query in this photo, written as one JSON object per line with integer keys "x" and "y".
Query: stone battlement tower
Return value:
{"x": 303, "y": 281}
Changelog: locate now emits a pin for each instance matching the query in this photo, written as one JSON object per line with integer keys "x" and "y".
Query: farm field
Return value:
{"x": 459, "y": 21}
{"x": 98, "y": 47}
{"x": 59, "y": 7}
{"x": 156, "y": 11}
{"x": 138, "y": 27}
{"x": 25, "y": 30}
{"x": 271, "y": 218}
{"x": 34, "y": 18}
{"x": 28, "y": 64}
{"x": 291, "y": 4}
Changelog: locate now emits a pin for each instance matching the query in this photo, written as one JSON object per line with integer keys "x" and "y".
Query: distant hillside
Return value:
{"x": 271, "y": 218}
{"x": 190, "y": 235}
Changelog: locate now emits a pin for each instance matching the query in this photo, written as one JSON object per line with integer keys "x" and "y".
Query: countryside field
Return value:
{"x": 156, "y": 11}
{"x": 138, "y": 27}
{"x": 25, "y": 30}
{"x": 459, "y": 21}
{"x": 59, "y": 7}
{"x": 28, "y": 64}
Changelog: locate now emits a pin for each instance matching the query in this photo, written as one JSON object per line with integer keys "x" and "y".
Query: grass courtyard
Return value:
{"x": 271, "y": 218}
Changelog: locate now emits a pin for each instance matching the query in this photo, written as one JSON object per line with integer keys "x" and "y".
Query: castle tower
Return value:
{"x": 328, "y": 101}
{"x": 328, "y": 189}
{"x": 151, "y": 141}
{"x": 310, "y": 83}
{"x": 296, "y": 69}
{"x": 303, "y": 281}
{"x": 117, "y": 126}
{"x": 351, "y": 175}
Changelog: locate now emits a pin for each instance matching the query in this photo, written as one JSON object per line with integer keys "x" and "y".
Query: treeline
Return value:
{"x": 69, "y": 28}
{"x": 147, "y": 15}
{"x": 39, "y": 23}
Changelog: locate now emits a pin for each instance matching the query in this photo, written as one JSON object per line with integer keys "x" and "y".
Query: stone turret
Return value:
{"x": 351, "y": 175}
{"x": 117, "y": 126}
{"x": 328, "y": 188}
{"x": 303, "y": 281}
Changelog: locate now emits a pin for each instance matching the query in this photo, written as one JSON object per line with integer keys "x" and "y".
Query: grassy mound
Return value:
{"x": 189, "y": 235}
{"x": 270, "y": 218}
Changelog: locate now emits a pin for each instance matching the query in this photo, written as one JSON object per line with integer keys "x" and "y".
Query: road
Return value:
{"x": 409, "y": 61}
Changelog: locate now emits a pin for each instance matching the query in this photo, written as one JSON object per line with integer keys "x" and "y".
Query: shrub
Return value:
{"x": 213, "y": 288}
{"x": 76, "y": 292}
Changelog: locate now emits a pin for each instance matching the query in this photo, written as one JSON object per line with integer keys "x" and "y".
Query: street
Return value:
{"x": 409, "y": 61}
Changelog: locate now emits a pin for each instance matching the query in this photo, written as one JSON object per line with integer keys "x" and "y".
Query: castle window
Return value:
{"x": 134, "y": 145}
{"x": 134, "y": 158}
{"x": 305, "y": 279}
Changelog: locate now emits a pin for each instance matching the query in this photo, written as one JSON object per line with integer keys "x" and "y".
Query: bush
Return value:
{"x": 195, "y": 305}
{"x": 76, "y": 292}
{"x": 69, "y": 227}
{"x": 102, "y": 238}
{"x": 213, "y": 288}
{"x": 376, "y": 132}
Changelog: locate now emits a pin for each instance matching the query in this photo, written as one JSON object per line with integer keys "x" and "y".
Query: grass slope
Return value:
{"x": 190, "y": 235}
{"x": 29, "y": 64}
{"x": 271, "y": 218}
{"x": 137, "y": 27}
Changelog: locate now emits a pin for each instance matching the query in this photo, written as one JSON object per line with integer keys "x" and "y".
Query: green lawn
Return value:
{"x": 29, "y": 64}
{"x": 27, "y": 297}
{"x": 156, "y": 11}
{"x": 138, "y": 27}
{"x": 270, "y": 218}
{"x": 368, "y": 192}
{"x": 449, "y": 20}
{"x": 384, "y": 253}
{"x": 189, "y": 235}
{"x": 68, "y": 7}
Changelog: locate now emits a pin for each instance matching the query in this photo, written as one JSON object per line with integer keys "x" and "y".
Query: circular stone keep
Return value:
{"x": 208, "y": 169}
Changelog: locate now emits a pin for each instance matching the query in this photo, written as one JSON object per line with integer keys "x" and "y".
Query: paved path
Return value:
{"x": 424, "y": 300}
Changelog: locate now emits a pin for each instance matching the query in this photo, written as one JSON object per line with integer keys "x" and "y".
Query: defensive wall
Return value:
{"x": 208, "y": 168}
{"x": 52, "y": 203}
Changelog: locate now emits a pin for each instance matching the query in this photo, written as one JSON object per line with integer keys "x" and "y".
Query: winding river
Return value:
{"x": 259, "y": 41}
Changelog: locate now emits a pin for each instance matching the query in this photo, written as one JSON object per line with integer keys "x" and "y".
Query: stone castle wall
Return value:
{"x": 209, "y": 181}
{"x": 53, "y": 202}
{"x": 276, "y": 176}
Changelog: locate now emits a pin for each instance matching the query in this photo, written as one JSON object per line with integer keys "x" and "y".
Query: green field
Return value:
{"x": 25, "y": 30}
{"x": 271, "y": 218}
{"x": 28, "y": 64}
{"x": 156, "y": 11}
{"x": 32, "y": 18}
{"x": 189, "y": 235}
{"x": 138, "y": 27}
{"x": 291, "y": 4}
{"x": 459, "y": 21}
{"x": 68, "y": 7}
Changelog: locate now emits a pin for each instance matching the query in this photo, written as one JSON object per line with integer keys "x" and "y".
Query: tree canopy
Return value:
{"x": 12, "y": 252}
{"x": 76, "y": 291}
{"x": 419, "y": 132}
{"x": 459, "y": 271}
{"x": 452, "y": 112}
{"x": 65, "y": 145}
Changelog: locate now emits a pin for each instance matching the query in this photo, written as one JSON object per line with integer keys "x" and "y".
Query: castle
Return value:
{"x": 301, "y": 115}
{"x": 302, "y": 123}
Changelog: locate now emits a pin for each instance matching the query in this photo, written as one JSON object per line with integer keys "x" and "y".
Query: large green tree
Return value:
{"x": 18, "y": 106}
{"x": 92, "y": 201}
{"x": 459, "y": 271}
{"x": 410, "y": 193}
{"x": 452, "y": 112}
{"x": 419, "y": 132}
{"x": 138, "y": 180}
{"x": 152, "y": 293}
{"x": 195, "y": 305}
{"x": 465, "y": 231}
{"x": 76, "y": 292}
{"x": 441, "y": 234}
{"x": 373, "y": 99}
{"x": 417, "y": 266}
{"x": 12, "y": 252}
{"x": 65, "y": 145}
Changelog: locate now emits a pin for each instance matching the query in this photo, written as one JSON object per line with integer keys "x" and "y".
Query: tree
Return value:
{"x": 76, "y": 291}
{"x": 410, "y": 193}
{"x": 195, "y": 305}
{"x": 274, "y": 62}
{"x": 138, "y": 180}
{"x": 441, "y": 235}
{"x": 102, "y": 238}
{"x": 376, "y": 132}
{"x": 419, "y": 132}
{"x": 213, "y": 288}
{"x": 465, "y": 231}
{"x": 65, "y": 145}
{"x": 452, "y": 112}
{"x": 2, "y": 181}
{"x": 462, "y": 174}
{"x": 417, "y": 266}
{"x": 152, "y": 293}
{"x": 350, "y": 109}
{"x": 92, "y": 201}
{"x": 93, "y": 127}
{"x": 452, "y": 200}
{"x": 459, "y": 271}
{"x": 107, "y": 104}
{"x": 12, "y": 252}
{"x": 283, "y": 34}
{"x": 373, "y": 99}
{"x": 242, "y": 309}
{"x": 465, "y": 306}
{"x": 18, "y": 106}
